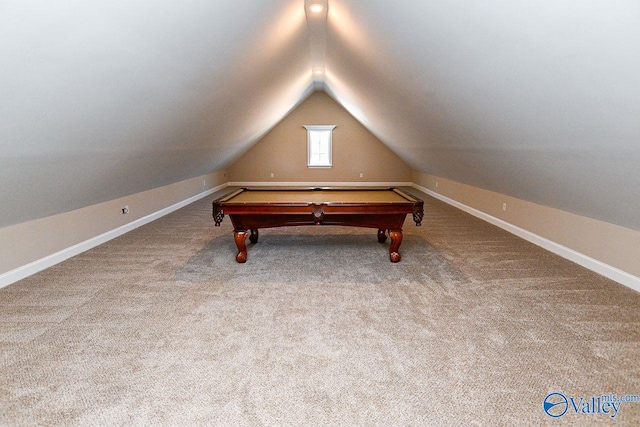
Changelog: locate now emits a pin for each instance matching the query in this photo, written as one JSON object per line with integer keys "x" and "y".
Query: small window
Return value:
{"x": 319, "y": 145}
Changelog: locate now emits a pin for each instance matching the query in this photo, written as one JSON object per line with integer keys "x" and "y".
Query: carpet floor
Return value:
{"x": 474, "y": 326}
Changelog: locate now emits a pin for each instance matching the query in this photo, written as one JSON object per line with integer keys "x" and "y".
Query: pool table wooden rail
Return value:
{"x": 383, "y": 215}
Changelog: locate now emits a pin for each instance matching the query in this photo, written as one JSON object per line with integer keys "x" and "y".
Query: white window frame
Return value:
{"x": 311, "y": 131}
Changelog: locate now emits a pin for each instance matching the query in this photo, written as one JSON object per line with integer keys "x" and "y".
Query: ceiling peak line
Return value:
{"x": 316, "y": 12}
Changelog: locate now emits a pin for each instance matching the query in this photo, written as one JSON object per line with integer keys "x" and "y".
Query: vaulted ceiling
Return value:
{"x": 537, "y": 100}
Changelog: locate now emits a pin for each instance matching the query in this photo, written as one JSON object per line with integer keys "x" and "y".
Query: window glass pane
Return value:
{"x": 319, "y": 145}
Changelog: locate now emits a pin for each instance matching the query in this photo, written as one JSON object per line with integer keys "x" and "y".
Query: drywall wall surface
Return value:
{"x": 31, "y": 241}
{"x": 358, "y": 156}
{"x": 611, "y": 244}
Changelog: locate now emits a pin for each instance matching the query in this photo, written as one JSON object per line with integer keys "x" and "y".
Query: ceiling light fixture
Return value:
{"x": 316, "y": 8}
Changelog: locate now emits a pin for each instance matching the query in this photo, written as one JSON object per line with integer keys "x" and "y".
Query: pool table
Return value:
{"x": 253, "y": 208}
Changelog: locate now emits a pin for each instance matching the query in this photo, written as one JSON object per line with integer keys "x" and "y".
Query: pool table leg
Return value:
{"x": 382, "y": 237}
{"x": 396, "y": 239}
{"x": 241, "y": 236}
{"x": 254, "y": 235}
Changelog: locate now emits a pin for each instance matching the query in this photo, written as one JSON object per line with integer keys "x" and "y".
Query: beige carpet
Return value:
{"x": 162, "y": 327}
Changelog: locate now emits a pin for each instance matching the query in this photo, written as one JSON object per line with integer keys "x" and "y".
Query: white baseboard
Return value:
{"x": 318, "y": 184}
{"x": 592, "y": 264}
{"x": 53, "y": 259}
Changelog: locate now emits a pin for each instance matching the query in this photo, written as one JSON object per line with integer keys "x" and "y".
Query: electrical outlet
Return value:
{"x": 504, "y": 207}
{"x": 437, "y": 184}
{"x": 361, "y": 175}
{"x": 125, "y": 210}
{"x": 272, "y": 175}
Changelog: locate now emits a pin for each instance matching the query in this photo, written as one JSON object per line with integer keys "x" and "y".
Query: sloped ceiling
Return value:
{"x": 101, "y": 99}
{"x": 537, "y": 100}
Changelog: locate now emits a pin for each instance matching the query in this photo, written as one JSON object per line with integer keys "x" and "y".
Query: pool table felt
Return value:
{"x": 318, "y": 196}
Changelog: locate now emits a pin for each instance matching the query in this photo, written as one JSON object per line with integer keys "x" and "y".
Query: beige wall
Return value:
{"x": 610, "y": 244}
{"x": 29, "y": 242}
{"x": 283, "y": 151}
